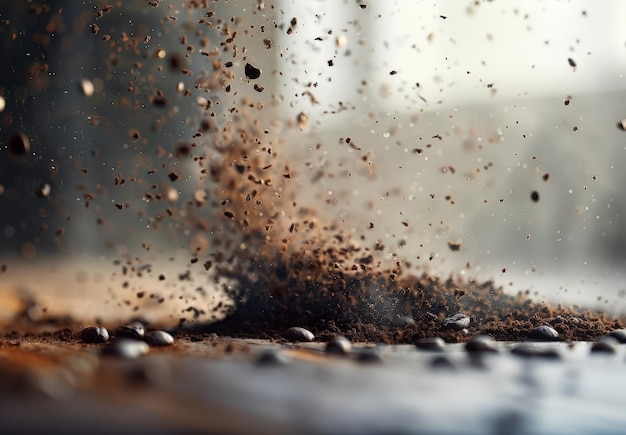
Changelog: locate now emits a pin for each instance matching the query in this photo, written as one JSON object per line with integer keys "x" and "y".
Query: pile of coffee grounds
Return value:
{"x": 375, "y": 306}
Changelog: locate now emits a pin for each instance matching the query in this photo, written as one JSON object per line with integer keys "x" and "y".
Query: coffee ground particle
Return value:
{"x": 534, "y": 195}
{"x": 252, "y": 72}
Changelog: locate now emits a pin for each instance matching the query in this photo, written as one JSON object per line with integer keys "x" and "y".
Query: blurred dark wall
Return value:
{"x": 93, "y": 151}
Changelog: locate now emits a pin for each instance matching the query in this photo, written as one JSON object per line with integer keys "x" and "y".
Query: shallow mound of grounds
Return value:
{"x": 375, "y": 306}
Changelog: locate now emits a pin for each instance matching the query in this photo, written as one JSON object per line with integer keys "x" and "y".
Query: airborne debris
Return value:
{"x": 252, "y": 72}
{"x": 455, "y": 246}
{"x": 572, "y": 63}
{"x": 534, "y": 196}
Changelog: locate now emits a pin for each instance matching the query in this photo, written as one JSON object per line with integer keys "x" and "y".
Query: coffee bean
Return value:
{"x": 339, "y": 345}
{"x": 19, "y": 144}
{"x": 126, "y": 348}
{"x": 272, "y": 357}
{"x": 544, "y": 333}
{"x": 296, "y": 333}
{"x": 134, "y": 330}
{"x": 430, "y": 343}
{"x": 533, "y": 351}
{"x": 605, "y": 344}
{"x": 457, "y": 322}
{"x": 94, "y": 334}
{"x": 252, "y": 72}
{"x": 619, "y": 335}
{"x": 481, "y": 344}
{"x": 158, "y": 338}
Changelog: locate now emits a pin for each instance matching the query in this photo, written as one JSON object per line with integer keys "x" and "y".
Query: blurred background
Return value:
{"x": 483, "y": 139}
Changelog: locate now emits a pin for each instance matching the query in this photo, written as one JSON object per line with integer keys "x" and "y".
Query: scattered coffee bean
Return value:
{"x": 534, "y": 351}
{"x": 457, "y": 322}
{"x": 272, "y": 357}
{"x": 296, "y": 333}
{"x": 480, "y": 344}
{"x": 430, "y": 343}
{"x": 126, "y": 348}
{"x": 134, "y": 330}
{"x": 158, "y": 338}
{"x": 605, "y": 344}
{"x": 252, "y": 72}
{"x": 619, "y": 335}
{"x": 94, "y": 334}
{"x": 544, "y": 333}
{"x": 339, "y": 345}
